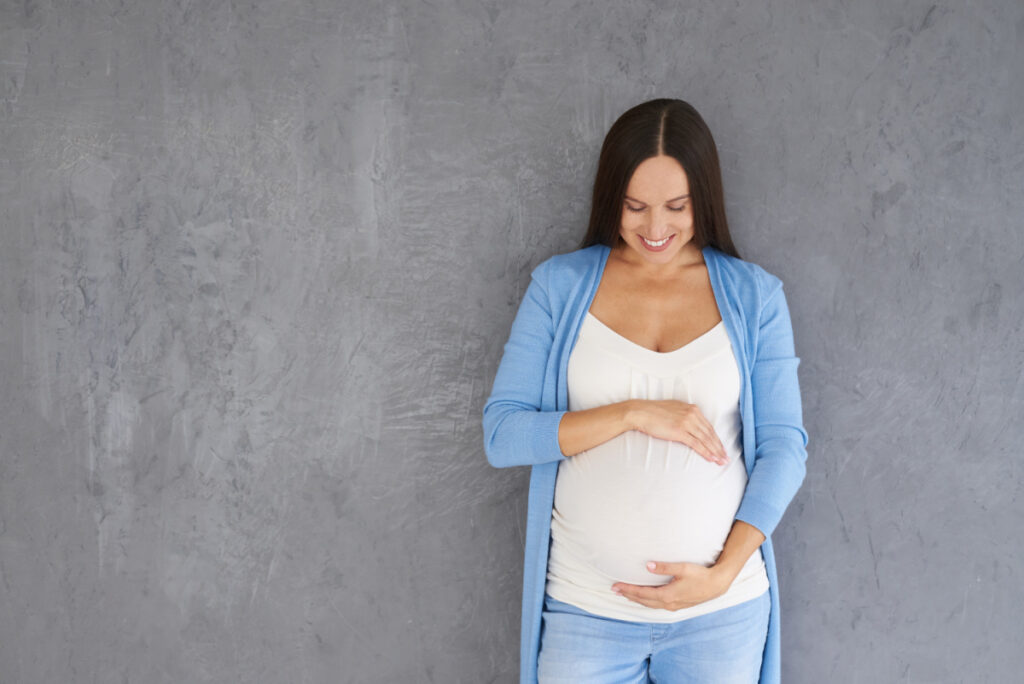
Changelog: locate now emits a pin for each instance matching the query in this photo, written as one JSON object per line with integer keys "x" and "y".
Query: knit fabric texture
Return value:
{"x": 530, "y": 395}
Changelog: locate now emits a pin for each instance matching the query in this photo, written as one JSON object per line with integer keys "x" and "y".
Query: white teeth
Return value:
{"x": 659, "y": 243}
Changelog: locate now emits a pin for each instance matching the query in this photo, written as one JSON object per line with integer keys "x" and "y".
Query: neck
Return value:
{"x": 688, "y": 257}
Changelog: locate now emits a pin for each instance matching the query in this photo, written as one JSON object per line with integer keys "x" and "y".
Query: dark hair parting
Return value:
{"x": 661, "y": 126}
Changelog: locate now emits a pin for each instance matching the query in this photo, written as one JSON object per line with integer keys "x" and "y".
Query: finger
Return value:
{"x": 661, "y": 604}
{"x": 663, "y": 568}
{"x": 649, "y": 596}
{"x": 701, "y": 444}
{"x": 711, "y": 437}
{"x": 693, "y": 438}
{"x": 646, "y": 602}
{"x": 641, "y": 594}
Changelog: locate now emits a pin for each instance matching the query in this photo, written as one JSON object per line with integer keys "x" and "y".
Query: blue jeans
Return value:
{"x": 723, "y": 647}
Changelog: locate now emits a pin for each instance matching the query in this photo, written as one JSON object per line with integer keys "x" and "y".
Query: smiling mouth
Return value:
{"x": 657, "y": 243}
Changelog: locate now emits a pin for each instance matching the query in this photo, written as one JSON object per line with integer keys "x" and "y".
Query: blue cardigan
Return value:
{"x": 530, "y": 396}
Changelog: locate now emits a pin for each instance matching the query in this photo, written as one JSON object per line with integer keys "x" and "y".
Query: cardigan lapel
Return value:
{"x": 579, "y": 303}
{"x": 734, "y": 324}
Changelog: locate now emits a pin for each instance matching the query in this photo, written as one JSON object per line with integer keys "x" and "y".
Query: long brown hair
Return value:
{"x": 662, "y": 126}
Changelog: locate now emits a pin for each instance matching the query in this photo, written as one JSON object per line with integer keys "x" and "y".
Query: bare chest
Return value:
{"x": 660, "y": 315}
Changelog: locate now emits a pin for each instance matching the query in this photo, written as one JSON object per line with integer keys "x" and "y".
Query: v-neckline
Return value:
{"x": 706, "y": 252}
{"x": 675, "y": 352}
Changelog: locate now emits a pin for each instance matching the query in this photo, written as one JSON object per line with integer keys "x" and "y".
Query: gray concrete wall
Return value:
{"x": 258, "y": 262}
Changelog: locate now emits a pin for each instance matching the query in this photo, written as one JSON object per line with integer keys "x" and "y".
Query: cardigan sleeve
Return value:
{"x": 780, "y": 439}
{"x": 516, "y": 430}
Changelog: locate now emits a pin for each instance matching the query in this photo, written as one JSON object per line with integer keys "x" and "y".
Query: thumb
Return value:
{"x": 659, "y": 568}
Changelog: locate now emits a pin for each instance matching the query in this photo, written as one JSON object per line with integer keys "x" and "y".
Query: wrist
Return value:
{"x": 631, "y": 415}
{"x": 724, "y": 575}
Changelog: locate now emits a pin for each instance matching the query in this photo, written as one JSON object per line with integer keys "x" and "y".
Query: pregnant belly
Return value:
{"x": 635, "y": 499}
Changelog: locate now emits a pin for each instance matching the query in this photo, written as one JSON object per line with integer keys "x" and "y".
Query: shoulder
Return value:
{"x": 566, "y": 269}
{"x": 748, "y": 281}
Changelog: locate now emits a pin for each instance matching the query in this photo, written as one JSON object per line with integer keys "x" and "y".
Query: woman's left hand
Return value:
{"x": 692, "y": 583}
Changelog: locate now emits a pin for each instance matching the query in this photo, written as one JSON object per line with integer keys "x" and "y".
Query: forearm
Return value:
{"x": 582, "y": 430}
{"x": 743, "y": 540}
{"x": 780, "y": 440}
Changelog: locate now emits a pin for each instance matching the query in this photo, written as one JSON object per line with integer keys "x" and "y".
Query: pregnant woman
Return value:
{"x": 650, "y": 380}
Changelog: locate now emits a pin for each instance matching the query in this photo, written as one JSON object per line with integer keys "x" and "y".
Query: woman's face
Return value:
{"x": 657, "y": 215}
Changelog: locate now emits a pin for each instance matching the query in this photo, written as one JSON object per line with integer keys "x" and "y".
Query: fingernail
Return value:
{"x": 650, "y": 566}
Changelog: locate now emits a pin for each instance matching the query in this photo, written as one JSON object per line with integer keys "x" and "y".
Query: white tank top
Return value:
{"x": 637, "y": 498}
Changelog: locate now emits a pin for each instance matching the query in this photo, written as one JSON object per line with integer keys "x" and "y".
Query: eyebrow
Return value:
{"x": 671, "y": 200}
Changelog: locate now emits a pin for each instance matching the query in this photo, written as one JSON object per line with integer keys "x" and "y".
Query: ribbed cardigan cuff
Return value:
{"x": 525, "y": 437}
{"x": 760, "y": 514}
{"x": 545, "y": 446}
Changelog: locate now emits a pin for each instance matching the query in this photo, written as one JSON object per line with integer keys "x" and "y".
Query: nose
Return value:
{"x": 659, "y": 225}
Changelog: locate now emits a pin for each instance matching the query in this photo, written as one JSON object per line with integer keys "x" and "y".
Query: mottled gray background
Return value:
{"x": 258, "y": 263}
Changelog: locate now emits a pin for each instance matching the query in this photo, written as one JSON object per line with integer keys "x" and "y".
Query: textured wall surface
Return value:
{"x": 258, "y": 262}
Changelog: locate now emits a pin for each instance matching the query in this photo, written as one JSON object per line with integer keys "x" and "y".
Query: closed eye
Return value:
{"x": 637, "y": 211}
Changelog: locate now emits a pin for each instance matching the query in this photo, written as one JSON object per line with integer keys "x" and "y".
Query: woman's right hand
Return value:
{"x": 678, "y": 421}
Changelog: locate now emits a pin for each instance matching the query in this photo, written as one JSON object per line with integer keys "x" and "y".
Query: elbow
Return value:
{"x": 517, "y": 435}
{"x": 784, "y": 450}
{"x": 496, "y": 455}
{"x": 491, "y": 451}
{"x": 800, "y": 447}
{"x": 798, "y": 460}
